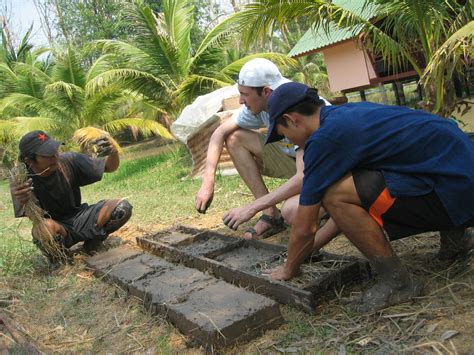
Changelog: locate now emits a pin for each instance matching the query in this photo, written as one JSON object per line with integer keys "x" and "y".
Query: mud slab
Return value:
{"x": 242, "y": 264}
{"x": 214, "y": 313}
{"x": 173, "y": 237}
{"x": 247, "y": 257}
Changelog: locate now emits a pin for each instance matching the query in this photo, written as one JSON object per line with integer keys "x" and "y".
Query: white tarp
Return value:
{"x": 196, "y": 115}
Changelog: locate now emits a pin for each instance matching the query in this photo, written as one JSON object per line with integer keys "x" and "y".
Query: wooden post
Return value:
{"x": 399, "y": 95}
{"x": 362, "y": 95}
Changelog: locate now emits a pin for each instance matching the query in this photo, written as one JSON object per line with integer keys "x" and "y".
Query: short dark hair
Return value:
{"x": 307, "y": 107}
{"x": 259, "y": 90}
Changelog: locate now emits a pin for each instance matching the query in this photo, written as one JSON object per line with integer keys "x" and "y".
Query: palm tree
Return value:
{"x": 58, "y": 99}
{"x": 160, "y": 63}
{"x": 404, "y": 32}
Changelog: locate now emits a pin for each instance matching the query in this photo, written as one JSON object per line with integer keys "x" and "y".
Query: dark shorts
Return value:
{"x": 401, "y": 217}
{"x": 82, "y": 227}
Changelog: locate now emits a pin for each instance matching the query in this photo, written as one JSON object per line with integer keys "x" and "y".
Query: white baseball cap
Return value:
{"x": 260, "y": 72}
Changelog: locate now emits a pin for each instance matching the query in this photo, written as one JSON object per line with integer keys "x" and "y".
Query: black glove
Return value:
{"x": 103, "y": 147}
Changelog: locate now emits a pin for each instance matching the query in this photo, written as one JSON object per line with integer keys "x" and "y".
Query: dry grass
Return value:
{"x": 19, "y": 175}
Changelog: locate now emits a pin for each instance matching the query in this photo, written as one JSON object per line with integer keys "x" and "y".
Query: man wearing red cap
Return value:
{"x": 54, "y": 183}
{"x": 376, "y": 168}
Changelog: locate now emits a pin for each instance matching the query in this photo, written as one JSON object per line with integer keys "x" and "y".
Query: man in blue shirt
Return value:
{"x": 375, "y": 168}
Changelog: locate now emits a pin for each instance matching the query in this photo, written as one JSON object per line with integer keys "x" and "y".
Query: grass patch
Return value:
{"x": 159, "y": 190}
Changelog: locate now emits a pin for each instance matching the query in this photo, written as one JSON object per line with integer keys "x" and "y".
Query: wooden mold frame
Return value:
{"x": 321, "y": 274}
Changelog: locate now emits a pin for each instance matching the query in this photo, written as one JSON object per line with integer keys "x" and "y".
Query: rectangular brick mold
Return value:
{"x": 213, "y": 312}
{"x": 241, "y": 262}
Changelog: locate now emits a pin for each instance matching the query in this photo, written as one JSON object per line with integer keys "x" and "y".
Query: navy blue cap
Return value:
{"x": 284, "y": 97}
{"x": 38, "y": 142}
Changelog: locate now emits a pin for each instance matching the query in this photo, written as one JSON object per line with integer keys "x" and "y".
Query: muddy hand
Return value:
{"x": 104, "y": 147}
{"x": 23, "y": 192}
{"x": 203, "y": 200}
{"x": 230, "y": 222}
{"x": 238, "y": 215}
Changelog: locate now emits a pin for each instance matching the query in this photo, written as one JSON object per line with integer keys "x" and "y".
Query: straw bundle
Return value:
{"x": 40, "y": 231}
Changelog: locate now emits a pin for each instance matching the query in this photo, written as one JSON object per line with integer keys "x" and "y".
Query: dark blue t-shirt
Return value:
{"x": 416, "y": 151}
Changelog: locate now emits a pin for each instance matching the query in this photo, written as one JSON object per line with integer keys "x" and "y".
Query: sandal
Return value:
{"x": 277, "y": 225}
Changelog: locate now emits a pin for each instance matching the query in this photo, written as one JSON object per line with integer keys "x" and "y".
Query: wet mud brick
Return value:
{"x": 241, "y": 262}
{"x": 213, "y": 312}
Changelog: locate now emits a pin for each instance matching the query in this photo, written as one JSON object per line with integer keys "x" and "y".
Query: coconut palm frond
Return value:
{"x": 281, "y": 60}
{"x": 145, "y": 127}
{"x": 137, "y": 80}
{"x": 23, "y": 101}
{"x": 66, "y": 95}
{"x": 196, "y": 85}
{"x": 105, "y": 106}
{"x": 152, "y": 38}
{"x": 8, "y": 72}
{"x": 455, "y": 53}
{"x": 33, "y": 70}
{"x": 101, "y": 65}
{"x": 8, "y": 130}
{"x": 67, "y": 68}
{"x": 126, "y": 51}
{"x": 27, "y": 124}
{"x": 218, "y": 36}
{"x": 177, "y": 24}
{"x": 150, "y": 109}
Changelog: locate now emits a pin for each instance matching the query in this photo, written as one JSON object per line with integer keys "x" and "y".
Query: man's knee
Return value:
{"x": 120, "y": 215}
{"x": 289, "y": 208}
{"x": 233, "y": 140}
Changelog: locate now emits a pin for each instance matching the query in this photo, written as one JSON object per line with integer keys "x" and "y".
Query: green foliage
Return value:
{"x": 157, "y": 187}
{"x": 79, "y": 23}
{"x": 405, "y": 33}
{"x": 162, "y": 64}
{"x": 60, "y": 100}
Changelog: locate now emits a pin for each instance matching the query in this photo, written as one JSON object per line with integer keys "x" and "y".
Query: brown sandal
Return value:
{"x": 277, "y": 225}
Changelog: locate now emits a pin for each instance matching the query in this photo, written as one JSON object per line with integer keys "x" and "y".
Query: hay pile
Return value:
{"x": 40, "y": 232}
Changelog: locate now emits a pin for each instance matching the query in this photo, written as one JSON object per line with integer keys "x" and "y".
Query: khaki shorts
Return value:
{"x": 277, "y": 164}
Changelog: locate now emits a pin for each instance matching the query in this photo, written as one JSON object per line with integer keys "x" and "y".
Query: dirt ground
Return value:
{"x": 97, "y": 317}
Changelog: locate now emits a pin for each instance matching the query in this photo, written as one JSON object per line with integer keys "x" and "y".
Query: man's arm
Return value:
{"x": 292, "y": 187}
{"x": 112, "y": 161}
{"x": 206, "y": 192}
{"x": 301, "y": 242}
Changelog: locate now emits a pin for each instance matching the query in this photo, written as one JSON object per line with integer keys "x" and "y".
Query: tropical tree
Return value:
{"x": 404, "y": 32}
{"x": 160, "y": 63}
{"x": 58, "y": 99}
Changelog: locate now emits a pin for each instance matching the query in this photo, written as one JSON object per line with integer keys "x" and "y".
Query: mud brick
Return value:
{"x": 213, "y": 312}
{"x": 173, "y": 238}
{"x": 103, "y": 261}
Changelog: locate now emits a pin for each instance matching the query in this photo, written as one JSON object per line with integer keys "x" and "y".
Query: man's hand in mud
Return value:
{"x": 23, "y": 192}
{"x": 281, "y": 272}
{"x": 204, "y": 198}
